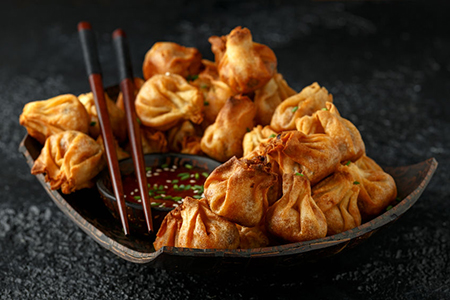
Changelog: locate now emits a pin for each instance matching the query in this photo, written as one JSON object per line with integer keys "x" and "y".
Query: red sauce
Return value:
{"x": 167, "y": 185}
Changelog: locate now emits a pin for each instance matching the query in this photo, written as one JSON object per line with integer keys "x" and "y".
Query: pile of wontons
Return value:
{"x": 294, "y": 169}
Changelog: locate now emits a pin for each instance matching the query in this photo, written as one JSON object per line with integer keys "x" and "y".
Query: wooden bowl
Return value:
{"x": 134, "y": 211}
{"x": 86, "y": 209}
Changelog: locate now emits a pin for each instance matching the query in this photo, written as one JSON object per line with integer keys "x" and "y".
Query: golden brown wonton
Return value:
{"x": 242, "y": 64}
{"x": 153, "y": 141}
{"x": 116, "y": 117}
{"x": 215, "y": 93}
{"x": 238, "y": 191}
{"x": 252, "y": 237}
{"x": 378, "y": 188}
{"x": 223, "y": 139}
{"x": 315, "y": 156}
{"x": 121, "y": 154}
{"x": 194, "y": 225}
{"x": 342, "y": 131}
{"x": 296, "y": 217}
{"x": 47, "y": 117}
{"x": 257, "y": 136}
{"x": 165, "y": 100}
{"x": 268, "y": 97}
{"x": 177, "y": 134}
{"x": 170, "y": 57}
{"x": 138, "y": 83}
{"x": 337, "y": 197}
{"x": 191, "y": 145}
{"x": 70, "y": 160}
{"x": 305, "y": 103}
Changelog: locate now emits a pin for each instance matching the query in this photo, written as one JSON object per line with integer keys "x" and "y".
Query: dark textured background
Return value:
{"x": 387, "y": 65}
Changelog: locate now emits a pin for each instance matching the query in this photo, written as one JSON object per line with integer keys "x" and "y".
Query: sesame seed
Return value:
{"x": 166, "y": 169}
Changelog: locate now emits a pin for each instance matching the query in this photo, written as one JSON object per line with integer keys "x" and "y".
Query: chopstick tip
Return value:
{"x": 84, "y": 26}
{"x": 118, "y": 33}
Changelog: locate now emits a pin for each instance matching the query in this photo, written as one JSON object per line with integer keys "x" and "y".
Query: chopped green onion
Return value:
{"x": 182, "y": 174}
{"x": 157, "y": 197}
{"x": 398, "y": 199}
{"x": 155, "y": 204}
{"x": 160, "y": 192}
{"x": 182, "y": 186}
{"x": 148, "y": 168}
{"x": 151, "y": 193}
{"x": 197, "y": 187}
{"x": 188, "y": 187}
{"x": 206, "y": 103}
{"x": 161, "y": 187}
{"x": 139, "y": 121}
{"x": 175, "y": 181}
{"x": 299, "y": 174}
{"x": 272, "y": 135}
{"x": 177, "y": 198}
{"x": 248, "y": 129}
{"x": 188, "y": 166}
{"x": 355, "y": 182}
{"x": 324, "y": 108}
{"x": 185, "y": 177}
{"x": 197, "y": 197}
{"x": 93, "y": 123}
{"x": 389, "y": 207}
{"x": 168, "y": 197}
{"x": 191, "y": 77}
{"x": 175, "y": 186}
{"x": 348, "y": 163}
{"x": 196, "y": 176}
{"x": 137, "y": 197}
{"x": 164, "y": 166}
{"x": 294, "y": 109}
{"x": 204, "y": 174}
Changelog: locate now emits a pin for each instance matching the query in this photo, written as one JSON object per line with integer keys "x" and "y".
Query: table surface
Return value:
{"x": 387, "y": 65}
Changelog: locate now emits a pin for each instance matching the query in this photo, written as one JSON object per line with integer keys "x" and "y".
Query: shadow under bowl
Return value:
{"x": 135, "y": 211}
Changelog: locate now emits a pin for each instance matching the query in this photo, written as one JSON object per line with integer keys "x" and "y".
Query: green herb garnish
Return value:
{"x": 164, "y": 166}
{"x": 175, "y": 181}
{"x": 299, "y": 174}
{"x": 137, "y": 197}
{"x": 185, "y": 177}
{"x": 272, "y": 135}
{"x": 348, "y": 163}
{"x": 206, "y": 103}
{"x": 188, "y": 187}
{"x": 197, "y": 197}
{"x": 389, "y": 207}
{"x": 93, "y": 123}
{"x": 157, "y": 197}
{"x": 160, "y": 192}
{"x": 355, "y": 182}
{"x": 177, "y": 198}
{"x": 168, "y": 197}
{"x": 182, "y": 174}
{"x": 196, "y": 176}
{"x": 204, "y": 174}
{"x": 161, "y": 187}
{"x": 155, "y": 204}
{"x": 148, "y": 169}
{"x": 324, "y": 108}
{"x": 248, "y": 129}
{"x": 188, "y": 166}
{"x": 294, "y": 109}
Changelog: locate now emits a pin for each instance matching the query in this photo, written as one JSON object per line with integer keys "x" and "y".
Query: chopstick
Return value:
{"x": 127, "y": 88}
{"x": 89, "y": 45}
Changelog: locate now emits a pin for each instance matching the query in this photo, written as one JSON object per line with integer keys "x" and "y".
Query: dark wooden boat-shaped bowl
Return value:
{"x": 87, "y": 210}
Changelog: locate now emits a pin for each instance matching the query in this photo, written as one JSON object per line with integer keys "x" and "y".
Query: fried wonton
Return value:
{"x": 194, "y": 225}
{"x": 121, "y": 154}
{"x": 191, "y": 145}
{"x": 337, "y": 197}
{"x": 238, "y": 191}
{"x": 296, "y": 217}
{"x": 315, "y": 156}
{"x": 116, "y": 117}
{"x": 378, "y": 188}
{"x": 70, "y": 160}
{"x": 252, "y": 237}
{"x": 47, "y": 117}
{"x": 170, "y": 57}
{"x": 268, "y": 97}
{"x": 305, "y": 103}
{"x": 153, "y": 141}
{"x": 138, "y": 83}
{"x": 223, "y": 139}
{"x": 176, "y": 135}
{"x": 243, "y": 65}
{"x": 165, "y": 100}
{"x": 215, "y": 94}
{"x": 342, "y": 131}
{"x": 255, "y": 137}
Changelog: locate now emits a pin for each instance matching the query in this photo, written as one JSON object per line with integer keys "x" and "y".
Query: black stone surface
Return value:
{"x": 387, "y": 65}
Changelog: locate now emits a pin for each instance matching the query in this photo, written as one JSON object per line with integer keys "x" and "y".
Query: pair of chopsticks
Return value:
{"x": 89, "y": 45}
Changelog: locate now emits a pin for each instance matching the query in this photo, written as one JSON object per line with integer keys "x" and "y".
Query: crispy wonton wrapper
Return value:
{"x": 116, "y": 117}
{"x": 268, "y": 97}
{"x": 177, "y": 134}
{"x": 378, "y": 188}
{"x": 253, "y": 237}
{"x": 342, "y": 131}
{"x": 296, "y": 217}
{"x": 238, "y": 191}
{"x": 243, "y": 65}
{"x": 223, "y": 139}
{"x": 170, "y": 57}
{"x": 194, "y": 225}
{"x": 121, "y": 154}
{"x": 215, "y": 93}
{"x": 314, "y": 155}
{"x": 305, "y": 103}
{"x": 70, "y": 160}
{"x": 153, "y": 141}
{"x": 337, "y": 197}
{"x": 254, "y": 138}
{"x": 47, "y": 117}
{"x": 165, "y": 100}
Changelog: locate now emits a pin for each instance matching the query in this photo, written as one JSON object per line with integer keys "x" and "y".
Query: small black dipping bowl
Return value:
{"x": 134, "y": 211}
